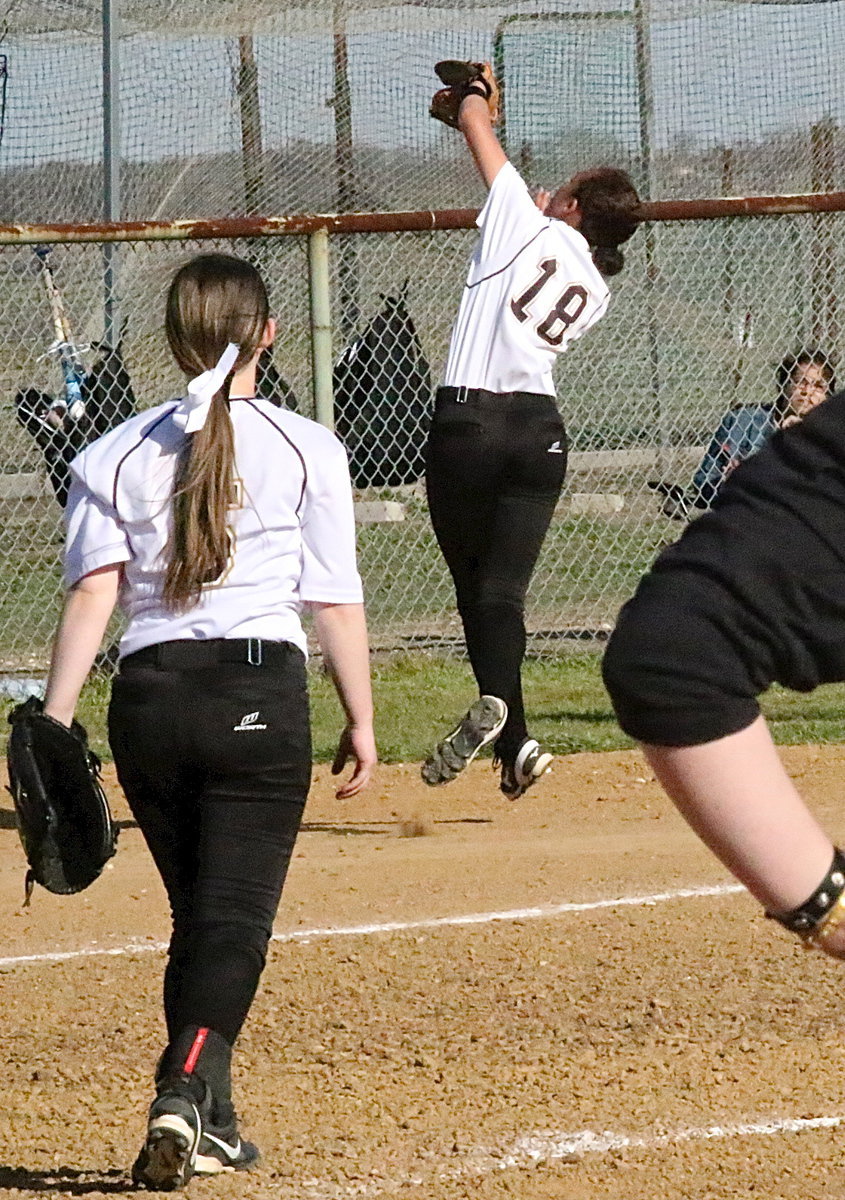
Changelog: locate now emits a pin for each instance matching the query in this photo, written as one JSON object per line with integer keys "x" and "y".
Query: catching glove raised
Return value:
{"x": 463, "y": 79}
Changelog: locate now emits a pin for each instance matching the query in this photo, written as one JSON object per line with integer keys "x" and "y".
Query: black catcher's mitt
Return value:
{"x": 463, "y": 79}
{"x": 62, "y": 812}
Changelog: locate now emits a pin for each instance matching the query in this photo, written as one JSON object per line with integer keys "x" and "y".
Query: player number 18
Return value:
{"x": 568, "y": 308}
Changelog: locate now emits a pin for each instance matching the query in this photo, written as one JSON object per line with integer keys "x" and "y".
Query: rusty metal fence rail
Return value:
{"x": 708, "y": 305}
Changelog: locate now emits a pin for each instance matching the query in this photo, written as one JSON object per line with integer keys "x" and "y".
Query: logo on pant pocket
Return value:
{"x": 555, "y": 448}
{"x": 248, "y": 722}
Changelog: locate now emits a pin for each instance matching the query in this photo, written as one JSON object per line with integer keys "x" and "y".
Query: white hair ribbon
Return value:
{"x": 192, "y": 410}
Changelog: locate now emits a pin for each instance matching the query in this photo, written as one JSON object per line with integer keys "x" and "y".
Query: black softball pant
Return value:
{"x": 215, "y": 761}
{"x": 495, "y": 466}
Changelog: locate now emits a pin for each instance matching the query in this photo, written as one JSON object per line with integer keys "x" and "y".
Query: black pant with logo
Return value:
{"x": 215, "y": 760}
{"x": 495, "y": 466}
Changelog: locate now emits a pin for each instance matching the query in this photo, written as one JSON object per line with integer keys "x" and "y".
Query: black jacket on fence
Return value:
{"x": 382, "y": 399}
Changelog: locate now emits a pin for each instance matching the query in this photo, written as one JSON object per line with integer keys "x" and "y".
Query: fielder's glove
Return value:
{"x": 63, "y": 816}
{"x": 463, "y": 79}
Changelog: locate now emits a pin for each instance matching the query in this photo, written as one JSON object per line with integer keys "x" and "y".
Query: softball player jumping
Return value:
{"x": 214, "y": 519}
{"x": 752, "y": 593}
{"x": 496, "y": 456}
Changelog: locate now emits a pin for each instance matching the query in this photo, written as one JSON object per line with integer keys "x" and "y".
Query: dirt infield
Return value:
{"x": 616, "y": 1020}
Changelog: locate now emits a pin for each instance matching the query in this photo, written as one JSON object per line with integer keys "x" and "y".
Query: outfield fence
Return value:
{"x": 228, "y": 107}
{"x": 125, "y": 110}
{"x": 709, "y": 303}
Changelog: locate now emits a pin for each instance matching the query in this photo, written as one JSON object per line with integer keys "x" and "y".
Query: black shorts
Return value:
{"x": 751, "y": 594}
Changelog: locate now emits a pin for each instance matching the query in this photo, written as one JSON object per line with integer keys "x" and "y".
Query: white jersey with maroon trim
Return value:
{"x": 532, "y": 289}
{"x": 292, "y": 528}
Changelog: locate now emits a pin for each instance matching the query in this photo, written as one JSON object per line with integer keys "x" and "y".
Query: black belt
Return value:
{"x": 469, "y": 395}
{"x": 466, "y": 395}
{"x": 190, "y": 652}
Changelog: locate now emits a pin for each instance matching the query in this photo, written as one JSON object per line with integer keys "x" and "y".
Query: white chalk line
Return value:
{"x": 540, "y": 912}
{"x": 533, "y": 1149}
{"x": 528, "y": 1150}
{"x": 539, "y": 1147}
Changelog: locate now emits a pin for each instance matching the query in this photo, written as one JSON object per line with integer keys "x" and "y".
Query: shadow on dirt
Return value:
{"x": 588, "y": 716}
{"x": 69, "y": 1181}
{"x": 7, "y": 820}
{"x": 378, "y": 828}
{"x": 346, "y": 828}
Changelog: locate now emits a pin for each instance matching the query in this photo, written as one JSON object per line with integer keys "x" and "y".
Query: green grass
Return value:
{"x": 588, "y": 568}
{"x": 419, "y": 696}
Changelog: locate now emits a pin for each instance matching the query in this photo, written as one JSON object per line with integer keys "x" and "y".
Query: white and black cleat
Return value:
{"x": 168, "y": 1158}
{"x": 482, "y": 724}
{"x": 531, "y": 763}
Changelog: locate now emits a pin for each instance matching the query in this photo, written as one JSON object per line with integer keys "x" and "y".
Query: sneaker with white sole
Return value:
{"x": 482, "y": 724}
{"x": 531, "y": 762}
{"x": 167, "y": 1160}
{"x": 222, "y": 1149}
{"x": 183, "y": 1141}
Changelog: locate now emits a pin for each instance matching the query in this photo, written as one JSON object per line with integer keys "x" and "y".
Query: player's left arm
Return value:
{"x": 342, "y": 634}
{"x": 88, "y": 606}
{"x": 486, "y": 149}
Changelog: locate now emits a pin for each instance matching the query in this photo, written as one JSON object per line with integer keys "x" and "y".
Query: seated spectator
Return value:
{"x": 803, "y": 380}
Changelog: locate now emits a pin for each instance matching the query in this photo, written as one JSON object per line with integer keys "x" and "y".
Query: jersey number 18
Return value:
{"x": 565, "y": 312}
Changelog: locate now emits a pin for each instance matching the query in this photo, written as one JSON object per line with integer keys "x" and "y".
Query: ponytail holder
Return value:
{"x": 192, "y": 411}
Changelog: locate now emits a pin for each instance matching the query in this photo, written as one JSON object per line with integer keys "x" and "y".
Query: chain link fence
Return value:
{"x": 700, "y": 319}
{"x": 223, "y": 107}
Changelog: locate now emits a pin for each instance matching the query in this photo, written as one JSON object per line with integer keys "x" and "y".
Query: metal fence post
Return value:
{"x": 321, "y": 326}
{"x": 111, "y": 165}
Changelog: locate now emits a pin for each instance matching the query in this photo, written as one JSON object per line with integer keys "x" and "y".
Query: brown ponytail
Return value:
{"x": 609, "y": 207}
{"x": 609, "y": 259}
{"x": 213, "y": 300}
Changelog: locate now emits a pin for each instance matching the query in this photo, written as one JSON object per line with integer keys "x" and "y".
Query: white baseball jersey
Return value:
{"x": 532, "y": 289}
{"x": 292, "y": 525}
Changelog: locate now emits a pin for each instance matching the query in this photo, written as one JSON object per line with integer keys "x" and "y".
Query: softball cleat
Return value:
{"x": 168, "y": 1157}
{"x": 222, "y": 1150}
{"x": 482, "y": 724}
{"x": 530, "y": 764}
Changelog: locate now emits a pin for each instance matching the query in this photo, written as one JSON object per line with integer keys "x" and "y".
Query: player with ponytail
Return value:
{"x": 214, "y": 518}
{"x": 496, "y": 456}
{"x": 197, "y": 318}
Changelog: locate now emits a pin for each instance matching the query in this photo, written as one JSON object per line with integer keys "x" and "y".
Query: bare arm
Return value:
{"x": 474, "y": 123}
{"x": 88, "y": 606}
{"x": 342, "y": 633}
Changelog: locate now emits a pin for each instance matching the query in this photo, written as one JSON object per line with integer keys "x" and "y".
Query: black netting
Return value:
{"x": 228, "y": 108}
